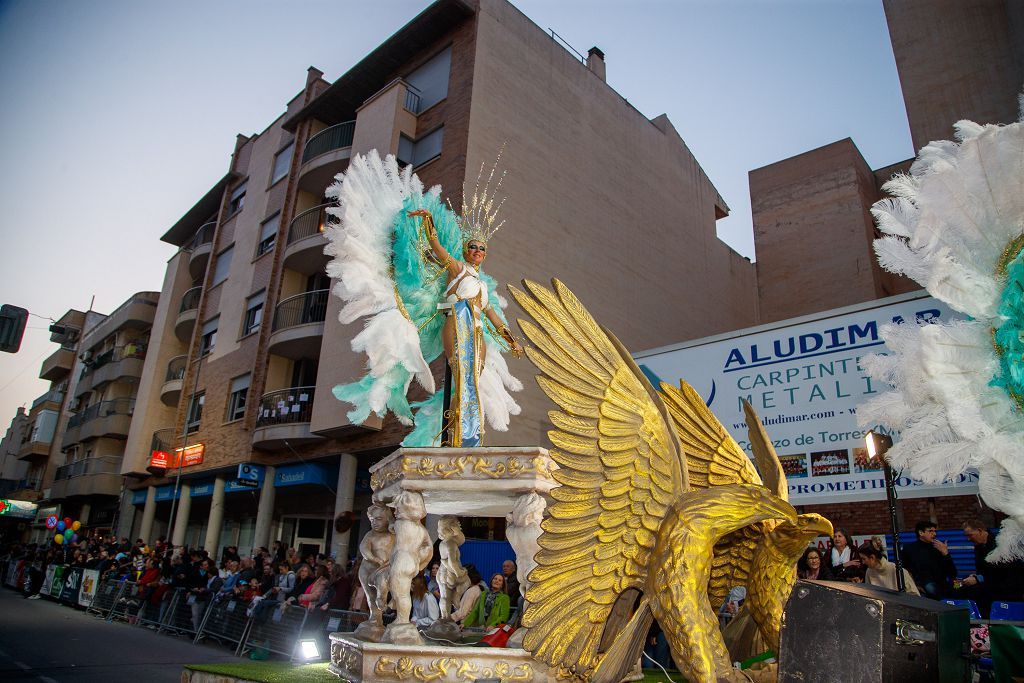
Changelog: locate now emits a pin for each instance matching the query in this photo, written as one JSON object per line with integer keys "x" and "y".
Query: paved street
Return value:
{"x": 41, "y": 640}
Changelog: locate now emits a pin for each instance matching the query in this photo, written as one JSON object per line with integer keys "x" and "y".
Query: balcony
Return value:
{"x": 27, "y": 489}
{"x": 283, "y": 416}
{"x": 200, "y": 249}
{"x": 306, "y": 241}
{"x": 57, "y": 364}
{"x": 107, "y": 418}
{"x": 54, "y": 398}
{"x": 89, "y": 477}
{"x": 325, "y": 155}
{"x": 118, "y": 363}
{"x": 170, "y": 392}
{"x": 299, "y": 325}
{"x": 187, "y": 313}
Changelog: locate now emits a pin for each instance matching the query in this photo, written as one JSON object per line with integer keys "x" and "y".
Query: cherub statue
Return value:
{"x": 522, "y": 530}
{"x": 413, "y": 268}
{"x": 411, "y": 555}
{"x": 452, "y": 577}
{"x": 376, "y": 549}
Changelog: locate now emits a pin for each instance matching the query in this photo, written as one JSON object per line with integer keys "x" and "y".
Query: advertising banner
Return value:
{"x": 803, "y": 377}
{"x": 90, "y": 579}
{"x": 51, "y": 570}
{"x": 72, "y": 584}
{"x": 57, "y": 584}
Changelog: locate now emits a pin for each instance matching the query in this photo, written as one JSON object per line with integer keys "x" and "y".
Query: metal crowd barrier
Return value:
{"x": 108, "y": 592}
{"x": 276, "y": 628}
{"x": 127, "y": 602}
{"x": 153, "y": 616}
{"x": 226, "y": 620}
{"x": 320, "y": 624}
{"x": 184, "y": 614}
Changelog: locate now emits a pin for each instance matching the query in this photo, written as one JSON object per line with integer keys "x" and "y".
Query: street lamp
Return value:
{"x": 877, "y": 445}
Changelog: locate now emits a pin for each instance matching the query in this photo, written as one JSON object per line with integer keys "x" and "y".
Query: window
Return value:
{"x": 195, "y": 412}
{"x": 253, "y": 313}
{"x": 281, "y": 163}
{"x": 237, "y": 199}
{"x": 421, "y": 151}
{"x": 223, "y": 266}
{"x": 268, "y": 234}
{"x": 430, "y": 81}
{"x": 236, "y": 399}
{"x": 209, "y": 339}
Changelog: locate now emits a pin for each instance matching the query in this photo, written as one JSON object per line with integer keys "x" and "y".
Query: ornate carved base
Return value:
{"x": 358, "y": 661}
{"x": 444, "y": 629}
{"x": 402, "y": 634}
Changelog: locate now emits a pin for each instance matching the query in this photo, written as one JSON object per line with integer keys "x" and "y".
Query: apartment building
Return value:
{"x": 246, "y": 346}
{"x": 12, "y": 468}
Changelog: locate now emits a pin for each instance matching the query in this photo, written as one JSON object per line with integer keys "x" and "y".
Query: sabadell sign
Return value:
{"x": 804, "y": 378}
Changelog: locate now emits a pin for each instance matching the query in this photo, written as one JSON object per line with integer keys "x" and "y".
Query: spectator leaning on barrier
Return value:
{"x": 311, "y": 596}
{"x": 205, "y": 583}
{"x": 303, "y": 580}
{"x": 928, "y": 561}
{"x": 339, "y": 594}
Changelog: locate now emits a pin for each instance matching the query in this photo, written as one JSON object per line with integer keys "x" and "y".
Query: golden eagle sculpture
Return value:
{"x": 658, "y": 515}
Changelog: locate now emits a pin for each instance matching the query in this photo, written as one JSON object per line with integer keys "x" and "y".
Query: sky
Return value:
{"x": 118, "y": 115}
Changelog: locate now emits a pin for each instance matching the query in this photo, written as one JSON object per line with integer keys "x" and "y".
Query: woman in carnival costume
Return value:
{"x": 413, "y": 268}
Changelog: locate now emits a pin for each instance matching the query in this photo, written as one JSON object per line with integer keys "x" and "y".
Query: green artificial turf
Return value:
{"x": 271, "y": 672}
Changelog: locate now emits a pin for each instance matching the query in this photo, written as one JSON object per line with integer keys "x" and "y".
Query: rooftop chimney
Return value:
{"x": 595, "y": 62}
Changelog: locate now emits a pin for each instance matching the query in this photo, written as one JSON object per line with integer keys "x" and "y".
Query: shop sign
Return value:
{"x": 18, "y": 509}
{"x": 187, "y": 456}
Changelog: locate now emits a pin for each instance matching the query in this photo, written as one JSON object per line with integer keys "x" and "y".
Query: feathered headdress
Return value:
{"x": 478, "y": 219}
{"x": 955, "y": 224}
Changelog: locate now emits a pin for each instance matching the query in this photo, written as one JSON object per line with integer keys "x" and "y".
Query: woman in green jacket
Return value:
{"x": 492, "y": 607}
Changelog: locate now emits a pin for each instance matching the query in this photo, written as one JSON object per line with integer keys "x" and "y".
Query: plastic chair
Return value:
{"x": 1007, "y": 611}
{"x": 969, "y": 605}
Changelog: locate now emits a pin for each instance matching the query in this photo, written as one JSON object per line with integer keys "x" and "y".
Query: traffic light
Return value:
{"x": 12, "y": 327}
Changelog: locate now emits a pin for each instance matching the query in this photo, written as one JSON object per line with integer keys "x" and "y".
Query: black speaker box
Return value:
{"x": 860, "y": 634}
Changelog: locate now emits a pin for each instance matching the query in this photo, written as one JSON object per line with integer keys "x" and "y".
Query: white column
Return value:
{"x": 148, "y": 512}
{"x": 83, "y": 515}
{"x": 181, "y": 516}
{"x": 126, "y": 515}
{"x": 216, "y": 520}
{"x": 265, "y": 511}
{"x": 346, "y": 489}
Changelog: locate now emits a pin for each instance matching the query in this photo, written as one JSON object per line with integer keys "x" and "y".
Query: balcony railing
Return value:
{"x": 412, "y": 101}
{"x": 310, "y": 222}
{"x": 335, "y": 137}
{"x": 55, "y": 396}
{"x": 176, "y": 368}
{"x": 101, "y": 465}
{"x": 118, "y": 406}
{"x": 302, "y": 309}
{"x": 136, "y": 349}
{"x": 287, "y": 406}
{"x": 164, "y": 439}
{"x": 203, "y": 236}
{"x": 190, "y": 299}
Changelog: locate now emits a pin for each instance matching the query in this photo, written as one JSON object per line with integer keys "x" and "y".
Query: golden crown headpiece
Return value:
{"x": 479, "y": 217}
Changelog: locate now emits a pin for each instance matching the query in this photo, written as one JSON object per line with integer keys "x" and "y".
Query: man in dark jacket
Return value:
{"x": 990, "y": 581}
{"x": 929, "y": 562}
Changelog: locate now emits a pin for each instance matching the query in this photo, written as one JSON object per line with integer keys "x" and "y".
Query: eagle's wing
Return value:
{"x": 764, "y": 453}
{"x": 713, "y": 458}
{"x": 619, "y": 468}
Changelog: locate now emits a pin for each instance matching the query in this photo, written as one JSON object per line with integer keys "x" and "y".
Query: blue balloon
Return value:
{"x": 61, "y": 525}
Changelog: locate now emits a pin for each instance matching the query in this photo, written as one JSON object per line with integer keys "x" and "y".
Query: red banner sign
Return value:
{"x": 188, "y": 456}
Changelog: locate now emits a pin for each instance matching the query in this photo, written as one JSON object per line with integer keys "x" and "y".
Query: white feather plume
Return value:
{"x": 947, "y": 226}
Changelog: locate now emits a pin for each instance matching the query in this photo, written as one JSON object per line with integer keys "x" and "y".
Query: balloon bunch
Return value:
{"x": 67, "y": 531}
